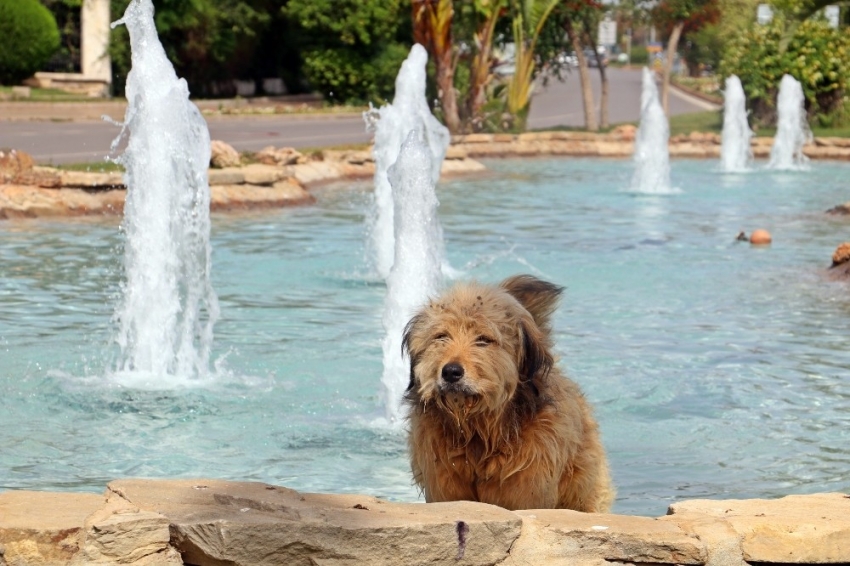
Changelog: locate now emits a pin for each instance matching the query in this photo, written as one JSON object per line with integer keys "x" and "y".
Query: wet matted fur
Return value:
{"x": 492, "y": 419}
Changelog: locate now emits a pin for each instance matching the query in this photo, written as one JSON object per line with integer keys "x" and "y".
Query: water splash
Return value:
{"x": 736, "y": 154}
{"x": 392, "y": 123}
{"x": 652, "y": 156}
{"x": 416, "y": 271}
{"x": 168, "y": 308}
{"x": 792, "y": 128}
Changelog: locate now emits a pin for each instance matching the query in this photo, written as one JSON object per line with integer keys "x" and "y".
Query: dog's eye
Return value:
{"x": 442, "y": 337}
{"x": 483, "y": 341}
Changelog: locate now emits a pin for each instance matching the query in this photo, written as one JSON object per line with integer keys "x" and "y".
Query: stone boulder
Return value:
{"x": 42, "y": 528}
{"x": 626, "y": 132}
{"x": 223, "y": 155}
{"x": 841, "y": 254}
{"x": 840, "y": 268}
{"x": 280, "y": 156}
{"x": 17, "y": 201}
{"x": 556, "y": 536}
{"x": 797, "y": 529}
{"x": 215, "y": 523}
{"x": 14, "y": 163}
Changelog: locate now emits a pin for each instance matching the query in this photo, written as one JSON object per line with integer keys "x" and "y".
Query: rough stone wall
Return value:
{"x": 210, "y": 522}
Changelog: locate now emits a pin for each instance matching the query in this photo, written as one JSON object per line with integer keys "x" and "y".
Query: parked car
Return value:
{"x": 568, "y": 59}
{"x": 591, "y": 57}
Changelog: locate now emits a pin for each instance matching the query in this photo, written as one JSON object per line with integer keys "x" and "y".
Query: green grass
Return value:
{"x": 47, "y": 95}
{"x": 96, "y": 167}
{"x": 712, "y": 121}
{"x": 709, "y": 121}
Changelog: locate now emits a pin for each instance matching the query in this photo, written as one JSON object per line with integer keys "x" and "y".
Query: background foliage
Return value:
{"x": 817, "y": 56}
{"x": 28, "y": 37}
{"x": 351, "y": 49}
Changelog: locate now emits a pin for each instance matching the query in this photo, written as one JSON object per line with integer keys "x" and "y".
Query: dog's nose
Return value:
{"x": 452, "y": 372}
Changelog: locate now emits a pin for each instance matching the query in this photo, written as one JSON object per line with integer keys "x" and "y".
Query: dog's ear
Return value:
{"x": 535, "y": 359}
{"x": 406, "y": 348}
{"x": 540, "y": 298}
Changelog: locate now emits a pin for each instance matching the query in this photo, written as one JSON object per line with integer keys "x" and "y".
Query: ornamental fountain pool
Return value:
{"x": 717, "y": 369}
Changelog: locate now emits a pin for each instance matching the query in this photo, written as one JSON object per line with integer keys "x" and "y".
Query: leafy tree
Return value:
{"x": 66, "y": 59}
{"x": 28, "y": 37}
{"x": 352, "y": 49}
{"x": 432, "y": 28}
{"x": 817, "y": 56}
{"x": 675, "y": 15}
{"x": 529, "y": 18}
{"x": 707, "y": 37}
{"x": 202, "y": 39}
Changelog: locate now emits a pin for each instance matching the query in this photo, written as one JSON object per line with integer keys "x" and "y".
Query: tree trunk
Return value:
{"x": 584, "y": 76}
{"x": 603, "y": 108}
{"x": 672, "y": 45}
{"x": 432, "y": 28}
{"x": 445, "y": 72}
{"x": 603, "y": 75}
{"x": 481, "y": 75}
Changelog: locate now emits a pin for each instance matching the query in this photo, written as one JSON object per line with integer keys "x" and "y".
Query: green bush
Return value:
{"x": 639, "y": 55}
{"x": 28, "y": 37}
{"x": 342, "y": 75}
{"x": 817, "y": 56}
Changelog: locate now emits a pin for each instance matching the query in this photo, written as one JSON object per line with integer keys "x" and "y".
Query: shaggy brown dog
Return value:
{"x": 491, "y": 417}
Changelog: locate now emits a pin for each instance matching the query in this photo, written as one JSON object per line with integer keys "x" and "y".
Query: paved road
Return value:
{"x": 63, "y": 137}
{"x": 559, "y": 103}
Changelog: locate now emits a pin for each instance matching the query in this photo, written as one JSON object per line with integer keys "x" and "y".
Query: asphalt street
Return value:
{"x": 63, "y": 137}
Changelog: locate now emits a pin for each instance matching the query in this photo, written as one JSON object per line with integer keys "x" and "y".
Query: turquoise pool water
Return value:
{"x": 717, "y": 369}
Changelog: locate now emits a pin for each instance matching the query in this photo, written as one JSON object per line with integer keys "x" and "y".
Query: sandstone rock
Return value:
{"x": 223, "y": 155}
{"x": 625, "y": 132}
{"x": 455, "y": 152}
{"x": 12, "y": 163}
{"x": 91, "y": 180}
{"x": 18, "y": 201}
{"x": 215, "y": 522}
{"x": 282, "y": 193}
{"x": 479, "y": 138}
{"x": 841, "y": 254}
{"x": 461, "y": 166}
{"x": 280, "y": 156}
{"x": 226, "y": 176}
{"x": 827, "y": 152}
{"x": 314, "y": 172}
{"x": 797, "y": 529}
{"x": 569, "y": 537}
{"x": 42, "y": 528}
{"x": 259, "y": 174}
{"x": 120, "y": 533}
{"x": 39, "y": 177}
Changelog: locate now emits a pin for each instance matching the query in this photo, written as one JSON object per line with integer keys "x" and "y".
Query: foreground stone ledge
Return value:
{"x": 208, "y": 522}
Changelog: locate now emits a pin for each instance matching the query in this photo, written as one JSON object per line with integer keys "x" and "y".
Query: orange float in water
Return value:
{"x": 760, "y": 237}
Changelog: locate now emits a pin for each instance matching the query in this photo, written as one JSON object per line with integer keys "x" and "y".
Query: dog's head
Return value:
{"x": 473, "y": 348}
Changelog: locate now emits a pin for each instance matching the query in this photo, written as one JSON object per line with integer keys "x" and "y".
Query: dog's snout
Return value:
{"x": 452, "y": 372}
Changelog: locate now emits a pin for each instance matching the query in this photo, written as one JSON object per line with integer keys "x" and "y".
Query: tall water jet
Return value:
{"x": 651, "y": 154}
{"x": 416, "y": 270}
{"x": 168, "y": 308}
{"x": 735, "y": 151}
{"x": 392, "y": 123}
{"x": 792, "y": 128}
